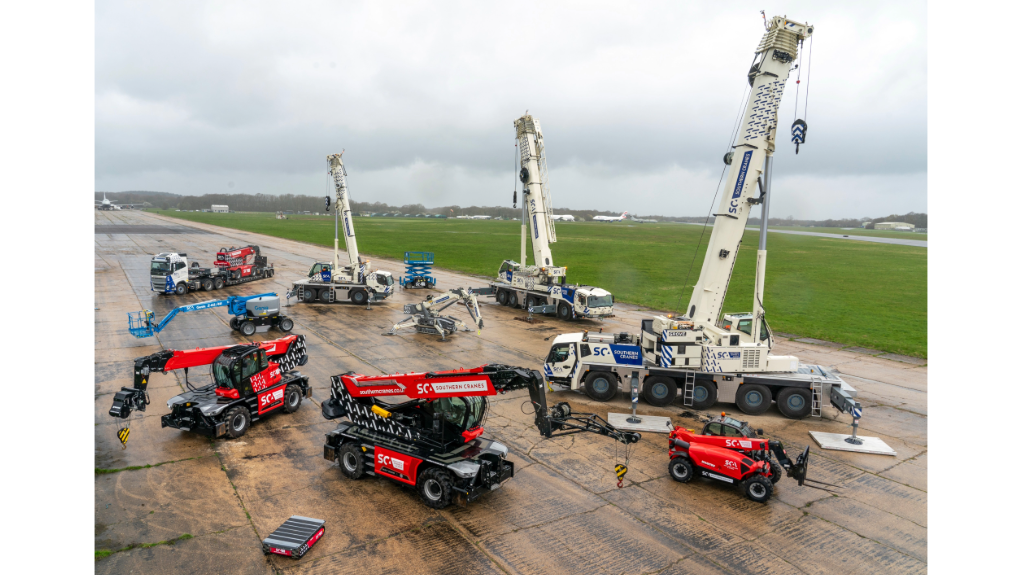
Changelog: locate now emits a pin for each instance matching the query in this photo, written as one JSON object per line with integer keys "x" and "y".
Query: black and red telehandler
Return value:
{"x": 249, "y": 382}
{"x": 430, "y": 435}
{"x": 730, "y": 451}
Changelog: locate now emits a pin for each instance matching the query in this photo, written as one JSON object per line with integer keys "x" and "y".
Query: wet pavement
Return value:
{"x": 561, "y": 513}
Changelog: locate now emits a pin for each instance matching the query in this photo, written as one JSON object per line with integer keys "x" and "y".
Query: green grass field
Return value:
{"x": 857, "y": 232}
{"x": 870, "y": 295}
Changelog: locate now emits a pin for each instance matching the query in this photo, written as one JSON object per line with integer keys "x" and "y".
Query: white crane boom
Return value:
{"x": 343, "y": 208}
{"x": 755, "y": 143}
{"x": 536, "y": 194}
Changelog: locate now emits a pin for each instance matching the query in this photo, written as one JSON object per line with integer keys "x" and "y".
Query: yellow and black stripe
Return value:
{"x": 122, "y": 434}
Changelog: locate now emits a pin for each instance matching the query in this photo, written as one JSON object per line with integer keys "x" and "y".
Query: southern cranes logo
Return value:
{"x": 740, "y": 183}
{"x": 452, "y": 387}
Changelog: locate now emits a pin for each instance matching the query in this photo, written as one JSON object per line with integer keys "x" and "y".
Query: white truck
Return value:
{"x": 356, "y": 282}
{"x": 170, "y": 273}
{"x": 710, "y": 360}
{"x": 542, "y": 287}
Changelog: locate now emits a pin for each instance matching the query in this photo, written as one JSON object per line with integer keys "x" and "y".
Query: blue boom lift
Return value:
{"x": 249, "y": 313}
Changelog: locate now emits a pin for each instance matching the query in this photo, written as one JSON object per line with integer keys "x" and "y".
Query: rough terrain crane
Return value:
{"x": 250, "y": 381}
{"x": 425, "y": 317}
{"x": 431, "y": 437}
{"x": 169, "y": 272}
{"x": 250, "y": 313}
{"x": 710, "y": 359}
{"x": 357, "y": 281}
{"x": 542, "y": 287}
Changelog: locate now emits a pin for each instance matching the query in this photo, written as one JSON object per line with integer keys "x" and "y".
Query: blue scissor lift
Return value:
{"x": 418, "y": 266}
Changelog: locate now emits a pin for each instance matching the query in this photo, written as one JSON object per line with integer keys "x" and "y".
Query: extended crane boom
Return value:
{"x": 343, "y": 209}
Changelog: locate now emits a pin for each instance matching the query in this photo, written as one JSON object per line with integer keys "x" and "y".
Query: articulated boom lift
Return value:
{"x": 432, "y": 438}
{"x": 542, "y": 287}
{"x": 425, "y": 317}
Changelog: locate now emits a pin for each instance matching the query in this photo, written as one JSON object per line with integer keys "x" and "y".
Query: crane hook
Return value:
{"x": 798, "y": 133}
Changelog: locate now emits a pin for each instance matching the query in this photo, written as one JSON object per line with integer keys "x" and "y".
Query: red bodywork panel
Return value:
{"x": 397, "y": 466}
{"x": 241, "y": 258}
{"x": 206, "y": 355}
{"x": 454, "y": 383}
{"x": 723, "y": 455}
{"x": 739, "y": 443}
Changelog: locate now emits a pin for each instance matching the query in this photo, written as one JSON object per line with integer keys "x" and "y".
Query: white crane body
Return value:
{"x": 707, "y": 359}
{"x": 357, "y": 281}
{"x": 542, "y": 286}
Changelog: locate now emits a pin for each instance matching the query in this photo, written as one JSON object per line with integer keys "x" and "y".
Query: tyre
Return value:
{"x": 794, "y": 402}
{"x": 502, "y": 297}
{"x": 601, "y": 385}
{"x": 237, "y": 419}
{"x": 286, "y": 324}
{"x": 512, "y": 299}
{"x": 352, "y": 461}
{"x": 247, "y": 328}
{"x": 292, "y": 398}
{"x": 234, "y": 323}
{"x": 659, "y": 391}
{"x": 181, "y": 288}
{"x": 207, "y": 284}
{"x": 680, "y": 469}
{"x": 777, "y": 472}
{"x": 435, "y": 487}
{"x": 195, "y": 264}
{"x": 218, "y": 283}
{"x": 758, "y": 488}
{"x": 564, "y": 311}
{"x": 753, "y": 399}
{"x": 308, "y": 295}
{"x": 359, "y": 297}
{"x": 704, "y": 394}
{"x": 269, "y": 273}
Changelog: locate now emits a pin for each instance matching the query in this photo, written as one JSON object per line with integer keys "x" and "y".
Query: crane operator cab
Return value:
{"x": 724, "y": 426}
{"x": 740, "y": 324}
{"x": 242, "y": 371}
{"x": 457, "y": 418}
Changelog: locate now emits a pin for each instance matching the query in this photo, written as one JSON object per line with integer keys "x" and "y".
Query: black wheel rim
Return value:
{"x": 754, "y": 398}
{"x": 796, "y": 402}
{"x": 659, "y": 390}
{"x": 700, "y": 393}
{"x": 601, "y": 385}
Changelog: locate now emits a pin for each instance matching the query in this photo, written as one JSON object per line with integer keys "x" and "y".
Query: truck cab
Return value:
{"x": 166, "y": 271}
{"x": 740, "y": 324}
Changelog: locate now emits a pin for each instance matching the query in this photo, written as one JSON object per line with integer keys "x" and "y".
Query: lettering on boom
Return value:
{"x": 746, "y": 160}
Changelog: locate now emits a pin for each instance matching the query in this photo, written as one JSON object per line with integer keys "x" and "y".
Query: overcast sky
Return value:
{"x": 637, "y": 101}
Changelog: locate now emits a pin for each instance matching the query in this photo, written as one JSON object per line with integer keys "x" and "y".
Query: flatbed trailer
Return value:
{"x": 170, "y": 273}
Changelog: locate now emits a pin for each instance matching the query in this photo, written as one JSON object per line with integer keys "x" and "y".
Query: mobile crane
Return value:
{"x": 356, "y": 282}
{"x": 708, "y": 359}
{"x": 250, "y": 312}
{"x": 425, "y": 317}
{"x": 169, "y": 272}
{"x": 433, "y": 439}
{"x": 249, "y": 382}
{"x": 542, "y": 287}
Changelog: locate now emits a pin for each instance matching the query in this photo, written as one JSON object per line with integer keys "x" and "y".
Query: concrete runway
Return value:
{"x": 561, "y": 513}
{"x": 874, "y": 239}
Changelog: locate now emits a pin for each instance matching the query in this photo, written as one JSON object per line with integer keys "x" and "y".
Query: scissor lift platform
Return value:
{"x": 295, "y": 537}
{"x": 418, "y": 268}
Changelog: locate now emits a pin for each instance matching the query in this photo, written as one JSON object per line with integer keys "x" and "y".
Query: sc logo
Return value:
{"x": 601, "y": 351}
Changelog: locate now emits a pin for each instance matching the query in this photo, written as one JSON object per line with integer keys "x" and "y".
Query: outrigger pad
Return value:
{"x": 295, "y": 537}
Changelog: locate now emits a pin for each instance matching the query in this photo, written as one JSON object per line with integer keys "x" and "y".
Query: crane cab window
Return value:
{"x": 179, "y": 266}
{"x": 731, "y": 431}
{"x": 316, "y": 269}
{"x": 763, "y": 332}
{"x": 250, "y": 364}
{"x": 559, "y": 353}
{"x": 712, "y": 429}
{"x": 745, "y": 326}
{"x": 504, "y": 267}
{"x": 460, "y": 412}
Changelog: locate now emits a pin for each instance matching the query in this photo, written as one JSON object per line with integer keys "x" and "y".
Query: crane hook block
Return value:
{"x": 798, "y": 133}
{"x": 620, "y": 470}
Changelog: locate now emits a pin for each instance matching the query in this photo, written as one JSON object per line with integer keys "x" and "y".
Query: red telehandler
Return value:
{"x": 432, "y": 437}
{"x": 730, "y": 451}
{"x": 250, "y": 381}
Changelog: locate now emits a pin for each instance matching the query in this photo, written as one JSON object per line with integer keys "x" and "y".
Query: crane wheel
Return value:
{"x": 758, "y": 488}
{"x": 218, "y": 283}
{"x": 436, "y": 487}
{"x": 308, "y": 295}
{"x": 795, "y": 402}
{"x": 238, "y": 420}
{"x": 753, "y": 398}
{"x": 601, "y": 385}
{"x": 680, "y": 469}
{"x": 352, "y": 461}
{"x": 704, "y": 395}
{"x": 292, "y": 398}
{"x": 502, "y": 297}
{"x": 512, "y": 299}
{"x": 564, "y": 311}
{"x": 358, "y": 297}
{"x": 659, "y": 391}
{"x": 777, "y": 472}
{"x": 207, "y": 284}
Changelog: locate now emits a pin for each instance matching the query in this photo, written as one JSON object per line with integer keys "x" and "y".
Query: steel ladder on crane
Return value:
{"x": 817, "y": 405}
{"x": 688, "y": 396}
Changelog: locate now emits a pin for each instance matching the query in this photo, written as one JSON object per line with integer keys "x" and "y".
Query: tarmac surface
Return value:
{"x": 561, "y": 513}
{"x": 874, "y": 239}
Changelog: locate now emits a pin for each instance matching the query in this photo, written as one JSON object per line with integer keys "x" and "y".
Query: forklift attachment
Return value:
{"x": 295, "y": 537}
